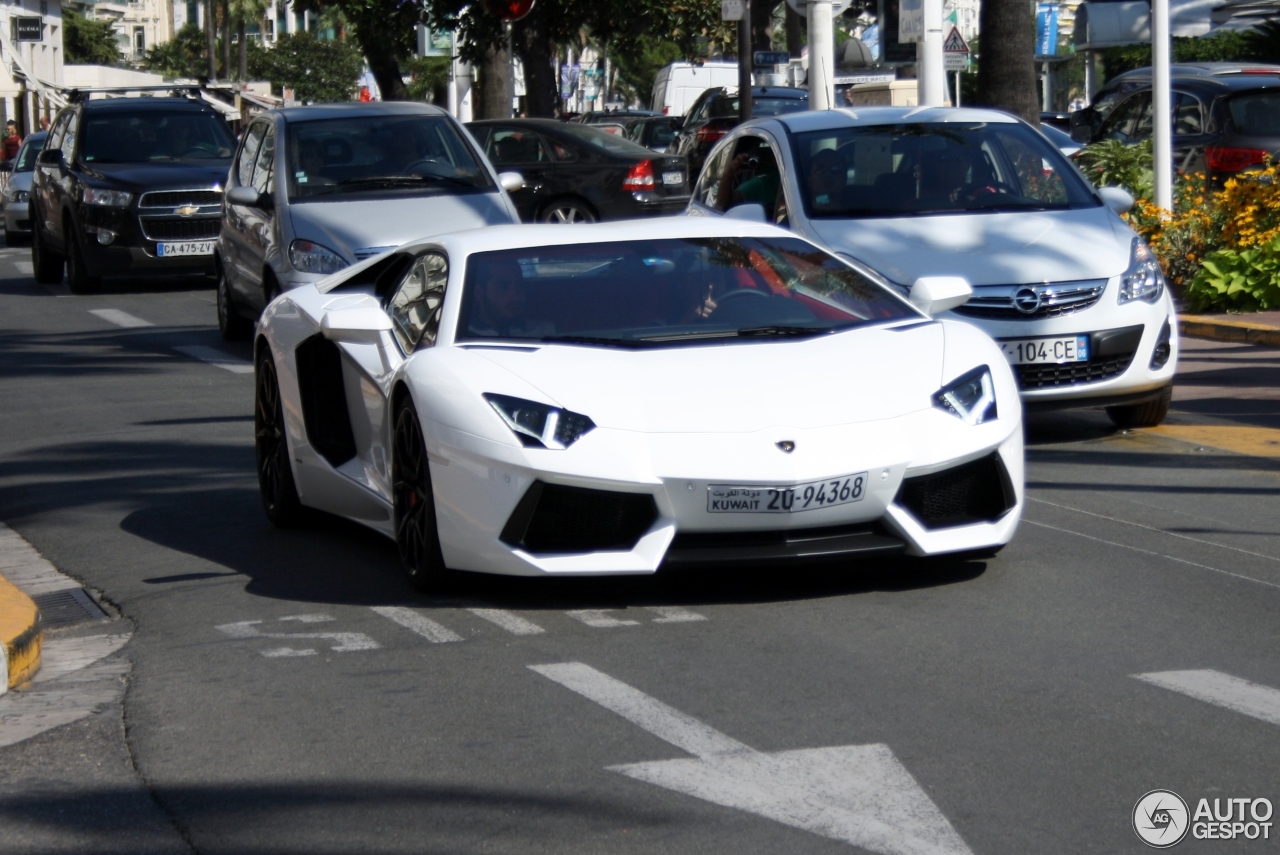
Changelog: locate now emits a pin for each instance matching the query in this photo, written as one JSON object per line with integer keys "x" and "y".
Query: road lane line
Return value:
{"x": 513, "y": 624}
{"x": 1219, "y": 689}
{"x": 26, "y": 268}
{"x": 674, "y": 614}
{"x": 220, "y": 358}
{"x": 1149, "y": 552}
{"x": 1155, "y": 529}
{"x": 598, "y": 618}
{"x": 667, "y": 723}
{"x": 425, "y": 627}
{"x": 120, "y": 319}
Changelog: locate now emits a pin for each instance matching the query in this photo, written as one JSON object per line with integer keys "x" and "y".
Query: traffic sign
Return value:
{"x": 731, "y": 10}
{"x": 770, "y": 57}
{"x": 955, "y": 42}
{"x": 955, "y": 61}
{"x": 837, "y": 7}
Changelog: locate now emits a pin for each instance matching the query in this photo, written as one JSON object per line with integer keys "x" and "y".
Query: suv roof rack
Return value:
{"x": 188, "y": 90}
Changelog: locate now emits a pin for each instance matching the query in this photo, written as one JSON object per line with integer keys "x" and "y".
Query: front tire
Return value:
{"x": 78, "y": 279}
{"x": 47, "y": 264}
{"x": 417, "y": 535}
{"x": 275, "y": 473}
{"x": 566, "y": 211}
{"x": 1147, "y": 414}
{"x": 232, "y": 325}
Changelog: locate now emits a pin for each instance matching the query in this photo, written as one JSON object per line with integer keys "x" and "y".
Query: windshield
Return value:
{"x": 27, "y": 156}
{"x": 603, "y": 140}
{"x": 668, "y": 292}
{"x": 147, "y": 136}
{"x": 944, "y": 167}
{"x": 1257, "y": 113}
{"x": 381, "y": 154}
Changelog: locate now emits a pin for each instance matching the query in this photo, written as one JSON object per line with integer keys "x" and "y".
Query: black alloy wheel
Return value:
{"x": 275, "y": 474}
{"x": 78, "y": 279}
{"x": 232, "y": 325}
{"x": 47, "y": 264}
{"x": 417, "y": 537}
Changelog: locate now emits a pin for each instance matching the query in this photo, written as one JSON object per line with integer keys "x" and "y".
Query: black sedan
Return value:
{"x": 576, "y": 173}
{"x": 1223, "y": 123}
{"x": 715, "y": 113}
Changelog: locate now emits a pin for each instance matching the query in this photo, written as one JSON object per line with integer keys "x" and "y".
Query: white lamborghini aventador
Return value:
{"x": 604, "y": 399}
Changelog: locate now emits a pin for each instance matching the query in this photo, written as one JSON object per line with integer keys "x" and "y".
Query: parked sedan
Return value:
{"x": 1074, "y": 297}
{"x": 315, "y": 189}
{"x": 579, "y": 174}
{"x": 601, "y": 400}
{"x": 17, "y": 192}
{"x": 716, "y": 112}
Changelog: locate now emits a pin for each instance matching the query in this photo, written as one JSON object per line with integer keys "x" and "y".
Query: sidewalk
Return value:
{"x": 20, "y": 634}
{"x": 1253, "y": 328}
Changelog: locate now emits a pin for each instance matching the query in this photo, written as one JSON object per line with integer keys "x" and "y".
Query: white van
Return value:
{"x": 680, "y": 83}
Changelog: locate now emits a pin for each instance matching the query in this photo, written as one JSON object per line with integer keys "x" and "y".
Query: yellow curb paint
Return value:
{"x": 1242, "y": 439}
{"x": 20, "y": 634}
{"x": 1198, "y": 326}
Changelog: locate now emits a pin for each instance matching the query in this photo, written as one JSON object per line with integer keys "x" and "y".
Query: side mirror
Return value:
{"x": 50, "y": 157}
{"x": 1082, "y": 133}
{"x": 752, "y": 212}
{"x": 361, "y": 325}
{"x": 510, "y": 181}
{"x": 1116, "y": 198}
{"x": 936, "y": 294}
{"x": 248, "y": 197}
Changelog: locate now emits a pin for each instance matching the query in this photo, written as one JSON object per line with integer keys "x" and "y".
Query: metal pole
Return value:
{"x": 931, "y": 84}
{"x": 1161, "y": 105}
{"x": 957, "y": 89}
{"x": 511, "y": 75}
{"x": 744, "y": 63}
{"x": 822, "y": 94}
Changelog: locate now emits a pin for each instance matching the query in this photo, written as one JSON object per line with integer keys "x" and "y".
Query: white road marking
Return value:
{"x": 339, "y": 642}
{"x": 411, "y": 620}
{"x": 598, "y": 618}
{"x": 1215, "y": 687}
{"x": 512, "y": 623}
{"x": 858, "y": 794}
{"x": 220, "y": 358}
{"x": 120, "y": 319}
{"x": 280, "y": 652}
{"x": 674, "y": 614}
{"x": 25, "y": 267}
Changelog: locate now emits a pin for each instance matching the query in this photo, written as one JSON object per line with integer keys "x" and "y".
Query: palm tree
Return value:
{"x": 245, "y": 11}
{"x": 211, "y": 39}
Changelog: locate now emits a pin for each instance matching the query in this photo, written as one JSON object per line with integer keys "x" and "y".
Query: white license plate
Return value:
{"x": 1046, "y": 350}
{"x": 192, "y": 247}
{"x": 673, "y": 178}
{"x": 729, "y": 499}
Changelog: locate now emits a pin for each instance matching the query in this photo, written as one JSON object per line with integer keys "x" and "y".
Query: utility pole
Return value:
{"x": 1161, "y": 105}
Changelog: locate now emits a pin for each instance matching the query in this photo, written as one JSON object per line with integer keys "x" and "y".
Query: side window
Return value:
{"x": 263, "y": 175}
{"x": 59, "y": 128}
{"x": 1123, "y": 121}
{"x": 508, "y": 146}
{"x": 562, "y": 152}
{"x": 708, "y": 188}
{"x": 1187, "y": 115}
{"x": 249, "y": 154}
{"x": 752, "y": 175}
{"x": 415, "y": 306}
{"x": 68, "y": 143}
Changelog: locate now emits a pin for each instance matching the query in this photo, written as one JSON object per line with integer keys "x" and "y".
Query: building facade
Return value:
{"x": 32, "y": 60}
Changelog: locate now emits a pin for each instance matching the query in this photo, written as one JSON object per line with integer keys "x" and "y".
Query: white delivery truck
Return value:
{"x": 680, "y": 83}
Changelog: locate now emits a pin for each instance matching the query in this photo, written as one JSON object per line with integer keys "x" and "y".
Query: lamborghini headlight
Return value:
{"x": 970, "y": 398}
{"x": 540, "y": 425}
{"x": 1144, "y": 280}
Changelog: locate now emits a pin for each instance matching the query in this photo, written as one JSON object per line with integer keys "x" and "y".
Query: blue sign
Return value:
{"x": 1046, "y": 29}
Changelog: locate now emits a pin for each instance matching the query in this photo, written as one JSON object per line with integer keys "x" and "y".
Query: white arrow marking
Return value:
{"x": 858, "y": 794}
{"x": 1223, "y": 690}
{"x": 339, "y": 642}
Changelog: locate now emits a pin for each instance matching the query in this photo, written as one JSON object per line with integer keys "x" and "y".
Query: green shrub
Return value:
{"x": 1111, "y": 162}
{"x": 1245, "y": 280}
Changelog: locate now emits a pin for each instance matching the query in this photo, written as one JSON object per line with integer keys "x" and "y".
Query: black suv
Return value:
{"x": 715, "y": 113}
{"x": 129, "y": 186}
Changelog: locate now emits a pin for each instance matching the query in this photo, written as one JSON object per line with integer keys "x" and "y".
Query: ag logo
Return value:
{"x": 1160, "y": 818}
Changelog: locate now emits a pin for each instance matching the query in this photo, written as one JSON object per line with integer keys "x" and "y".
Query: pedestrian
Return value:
{"x": 44, "y": 123}
{"x": 12, "y": 141}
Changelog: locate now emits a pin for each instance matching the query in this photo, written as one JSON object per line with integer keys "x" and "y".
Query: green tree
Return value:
{"x": 1263, "y": 42}
{"x": 317, "y": 70}
{"x": 428, "y": 78}
{"x": 639, "y": 60}
{"x": 244, "y": 12}
{"x": 1222, "y": 46}
{"x": 385, "y": 30}
{"x": 181, "y": 56}
{"x": 88, "y": 42}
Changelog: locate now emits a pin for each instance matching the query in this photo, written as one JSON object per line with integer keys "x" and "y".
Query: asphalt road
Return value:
{"x": 288, "y": 692}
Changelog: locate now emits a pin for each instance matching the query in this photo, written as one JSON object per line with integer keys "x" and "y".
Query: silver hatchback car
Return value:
{"x": 315, "y": 189}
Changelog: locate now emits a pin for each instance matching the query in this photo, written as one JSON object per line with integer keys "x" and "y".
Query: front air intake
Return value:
{"x": 978, "y": 491}
{"x": 552, "y": 518}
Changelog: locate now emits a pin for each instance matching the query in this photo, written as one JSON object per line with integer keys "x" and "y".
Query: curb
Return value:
{"x": 1219, "y": 329}
{"x": 20, "y": 636}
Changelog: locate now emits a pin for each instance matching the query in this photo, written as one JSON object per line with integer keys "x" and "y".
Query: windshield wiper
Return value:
{"x": 781, "y": 331}
{"x": 400, "y": 181}
{"x": 589, "y": 339}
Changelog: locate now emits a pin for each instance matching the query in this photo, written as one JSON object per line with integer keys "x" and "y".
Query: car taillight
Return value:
{"x": 710, "y": 133}
{"x": 640, "y": 177}
{"x": 1225, "y": 158}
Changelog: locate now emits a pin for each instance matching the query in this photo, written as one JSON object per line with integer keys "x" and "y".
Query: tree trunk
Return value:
{"x": 761, "y": 20}
{"x": 795, "y": 33}
{"x": 534, "y": 48}
{"x": 495, "y": 101}
{"x": 226, "y": 39}
{"x": 1006, "y": 64}
{"x": 381, "y": 56}
{"x": 244, "y": 49}
{"x": 209, "y": 29}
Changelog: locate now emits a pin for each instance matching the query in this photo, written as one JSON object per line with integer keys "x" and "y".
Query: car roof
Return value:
{"x": 144, "y": 102}
{"x": 356, "y": 108}
{"x": 822, "y": 120}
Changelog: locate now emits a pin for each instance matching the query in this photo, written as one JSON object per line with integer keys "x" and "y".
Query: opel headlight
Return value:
{"x": 309, "y": 257}
{"x": 106, "y": 198}
{"x": 1144, "y": 280}
{"x": 540, "y": 425}
{"x": 970, "y": 398}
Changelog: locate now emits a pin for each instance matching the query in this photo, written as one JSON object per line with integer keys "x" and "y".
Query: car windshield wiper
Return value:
{"x": 748, "y": 332}
{"x": 400, "y": 181}
{"x": 589, "y": 339}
